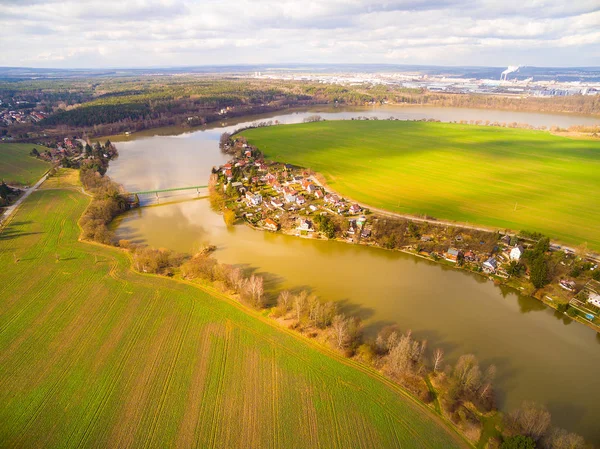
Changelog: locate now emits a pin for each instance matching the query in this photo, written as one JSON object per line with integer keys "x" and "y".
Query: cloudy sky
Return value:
{"x": 143, "y": 33}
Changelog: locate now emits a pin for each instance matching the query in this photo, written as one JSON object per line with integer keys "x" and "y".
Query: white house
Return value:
{"x": 490, "y": 265}
{"x": 305, "y": 225}
{"x": 255, "y": 199}
{"x": 516, "y": 252}
{"x": 594, "y": 299}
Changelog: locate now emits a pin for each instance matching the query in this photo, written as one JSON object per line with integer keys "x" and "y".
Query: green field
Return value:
{"x": 95, "y": 355}
{"x": 498, "y": 177}
{"x": 17, "y": 167}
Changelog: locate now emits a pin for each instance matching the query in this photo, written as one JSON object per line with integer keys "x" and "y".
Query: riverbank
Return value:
{"x": 279, "y": 196}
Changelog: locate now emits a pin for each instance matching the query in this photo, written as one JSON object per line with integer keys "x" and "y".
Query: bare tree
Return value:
{"x": 340, "y": 329}
{"x": 284, "y": 300}
{"x": 561, "y": 439}
{"x": 405, "y": 356}
{"x": 531, "y": 419}
{"x": 438, "y": 358}
{"x": 256, "y": 290}
{"x": 467, "y": 372}
{"x": 300, "y": 304}
{"x": 235, "y": 279}
{"x": 488, "y": 379}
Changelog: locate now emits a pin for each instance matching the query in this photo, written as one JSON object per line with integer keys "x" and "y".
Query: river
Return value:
{"x": 540, "y": 356}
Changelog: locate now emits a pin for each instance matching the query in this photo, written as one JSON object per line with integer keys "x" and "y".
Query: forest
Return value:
{"x": 112, "y": 105}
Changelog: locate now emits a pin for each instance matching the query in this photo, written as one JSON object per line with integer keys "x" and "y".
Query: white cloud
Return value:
{"x": 98, "y": 33}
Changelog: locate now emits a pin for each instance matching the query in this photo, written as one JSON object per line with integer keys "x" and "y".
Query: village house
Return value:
{"x": 490, "y": 265}
{"x": 226, "y": 167}
{"x": 567, "y": 285}
{"x": 305, "y": 184}
{"x": 289, "y": 194}
{"x": 355, "y": 209}
{"x": 366, "y": 233}
{"x": 255, "y": 199}
{"x": 312, "y": 188}
{"x": 276, "y": 202}
{"x": 594, "y": 299}
{"x": 319, "y": 194}
{"x": 426, "y": 238}
{"x": 248, "y": 153}
{"x": 313, "y": 207}
{"x": 470, "y": 256}
{"x": 452, "y": 254}
{"x": 516, "y": 252}
{"x": 305, "y": 225}
{"x": 332, "y": 199}
{"x": 238, "y": 186}
{"x": 360, "y": 221}
{"x": 300, "y": 200}
{"x": 352, "y": 227}
{"x": 271, "y": 224}
{"x": 229, "y": 175}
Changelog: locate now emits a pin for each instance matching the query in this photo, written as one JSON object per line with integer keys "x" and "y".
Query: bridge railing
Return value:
{"x": 174, "y": 189}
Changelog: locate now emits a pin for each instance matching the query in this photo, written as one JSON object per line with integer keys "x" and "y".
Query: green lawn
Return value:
{"x": 504, "y": 178}
{"x": 95, "y": 355}
{"x": 17, "y": 167}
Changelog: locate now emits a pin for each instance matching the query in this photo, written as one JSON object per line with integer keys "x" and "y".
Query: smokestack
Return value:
{"x": 510, "y": 69}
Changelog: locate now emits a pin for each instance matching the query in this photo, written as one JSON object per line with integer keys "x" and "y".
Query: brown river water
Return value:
{"x": 540, "y": 355}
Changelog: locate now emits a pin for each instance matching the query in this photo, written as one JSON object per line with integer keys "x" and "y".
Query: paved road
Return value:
{"x": 8, "y": 211}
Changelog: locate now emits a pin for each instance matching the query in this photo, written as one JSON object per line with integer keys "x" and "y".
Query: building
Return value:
{"x": 332, "y": 199}
{"x": 305, "y": 225}
{"x": 319, "y": 194}
{"x": 276, "y": 202}
{"x": 452, "y": 254}
{"x": 289, "y": 195}
{"x": 271, "y": 225}
{"x": 255, "y": 199}
{"x": 490, "y": 265}
{"x": 594, "y": 299}
{"x": 355, "y": 209}
{"x": 567, "y": 285}
{"x": 516, "y": 252}
{"x": 470, "y": 256}
{"x": 300, "y": 200}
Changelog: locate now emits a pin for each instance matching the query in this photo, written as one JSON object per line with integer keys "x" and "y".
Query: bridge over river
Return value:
{"x": 135, "y": 196}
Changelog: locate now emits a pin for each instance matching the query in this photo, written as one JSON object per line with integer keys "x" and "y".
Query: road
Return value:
{"x": 8, "y": 211}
